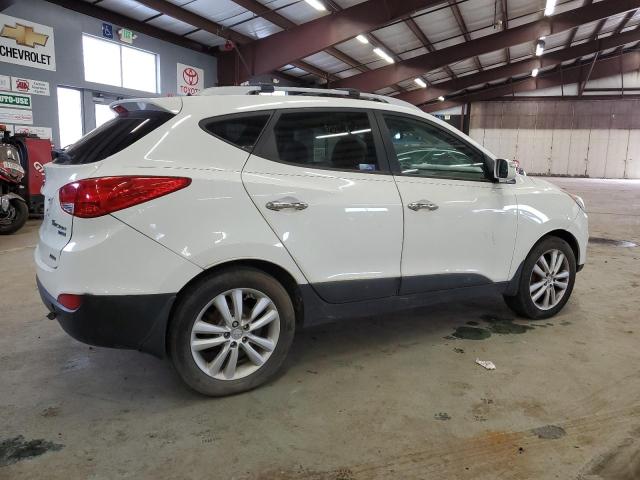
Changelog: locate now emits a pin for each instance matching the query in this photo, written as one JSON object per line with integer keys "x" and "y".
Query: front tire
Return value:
{"x": 13, "y": 219}
{"x": 546, "y": 281}
{"x": 231, "y": 332}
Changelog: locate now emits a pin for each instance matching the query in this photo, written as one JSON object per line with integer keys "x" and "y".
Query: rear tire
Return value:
{"x": 218, "y": 352}
{"x": 546, "y": 281}
{"x": 15, "y": 218}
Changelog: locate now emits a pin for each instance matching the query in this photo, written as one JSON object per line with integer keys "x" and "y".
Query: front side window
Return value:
{"x": 331, "y": 139}
{"x": 425, "y": 150}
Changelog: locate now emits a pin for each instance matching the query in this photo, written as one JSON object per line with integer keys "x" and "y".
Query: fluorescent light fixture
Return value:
{"x": 534, "y": 72}
{"x": 441, "y": 98}
{"x": 539, "y": 48}
{"x": 364, "y": 130}
{"x": 382, "y": 54}
{"x": 420, "y": 82}
{"x": 550, "y": 7}
{"x": 318, "y": 5}
{"x": 362, "y": 39}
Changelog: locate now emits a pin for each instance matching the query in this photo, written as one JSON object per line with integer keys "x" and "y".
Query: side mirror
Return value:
{"x": 504, "y": 171}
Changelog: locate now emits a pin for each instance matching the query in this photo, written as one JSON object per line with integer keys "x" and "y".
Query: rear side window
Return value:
{"x": 241, "y": 130}
{"x": 332, "y": 139}
{"x": 112, "y": 137}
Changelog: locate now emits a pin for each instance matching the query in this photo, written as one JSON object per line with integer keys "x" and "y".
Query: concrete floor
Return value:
{"x": 392, "y": 397}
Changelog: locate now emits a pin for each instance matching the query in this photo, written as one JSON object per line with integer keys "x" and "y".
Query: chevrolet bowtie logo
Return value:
{"x": 24, "y": 35}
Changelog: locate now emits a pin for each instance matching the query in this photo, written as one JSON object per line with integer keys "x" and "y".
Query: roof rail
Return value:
{"x": 271, "y": 89}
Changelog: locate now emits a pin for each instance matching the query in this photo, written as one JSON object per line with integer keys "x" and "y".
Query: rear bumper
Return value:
{"x": 136, "y": 322}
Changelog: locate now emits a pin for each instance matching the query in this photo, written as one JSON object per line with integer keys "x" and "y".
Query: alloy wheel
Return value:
{"x": 549, "y": 279}
{"x": 235, "y": 334}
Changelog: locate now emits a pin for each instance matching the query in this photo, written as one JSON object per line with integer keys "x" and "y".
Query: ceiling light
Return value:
{"x": 318, "y": 5}
{"x": 420, "y": 82}
{"x": 362, "y": 39}
{"x": 382, "y": 54}
{"x": 441, "y": 98}
{"x": 550, "y": 7}
{"x": 539, "y": 48}
{"x": 534, "y": 72}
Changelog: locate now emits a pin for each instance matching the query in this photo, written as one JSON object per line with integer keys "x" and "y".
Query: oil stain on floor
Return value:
{"x": 494, "y": 325}
{"x": 15, "y": 449}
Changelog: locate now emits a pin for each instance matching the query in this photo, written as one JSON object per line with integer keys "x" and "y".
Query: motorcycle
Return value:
{"x": 14, "y": 211}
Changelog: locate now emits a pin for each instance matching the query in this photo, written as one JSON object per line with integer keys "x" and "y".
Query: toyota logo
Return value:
{"x": 190, "y": 76}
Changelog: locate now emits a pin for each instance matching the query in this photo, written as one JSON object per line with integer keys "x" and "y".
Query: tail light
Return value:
{"x": 95, "y": 197}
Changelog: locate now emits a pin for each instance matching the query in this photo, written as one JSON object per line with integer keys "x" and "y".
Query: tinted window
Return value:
{"x": 326, "y": 140}
{"x": 112, "y": 136}
{"x": 426, "y": 150}
{"x": 239, "y": 130}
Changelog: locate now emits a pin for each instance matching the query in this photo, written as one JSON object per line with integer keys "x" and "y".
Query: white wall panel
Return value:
{"x": 560, "y": 149}
{"x": 616, "y": 153}
{"x": 598, "y": 147}
{"x": 633, "y": 155}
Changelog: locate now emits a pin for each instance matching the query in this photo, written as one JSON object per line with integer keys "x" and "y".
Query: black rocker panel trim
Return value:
{"x": 346, "y": 291}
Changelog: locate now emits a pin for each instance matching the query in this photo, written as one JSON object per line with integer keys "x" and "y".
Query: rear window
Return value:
{"x": 240, "y": 130}
{"x": 112, "y": 137}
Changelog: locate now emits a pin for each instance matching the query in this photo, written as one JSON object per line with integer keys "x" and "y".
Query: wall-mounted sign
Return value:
{"x": 107, "y": 30}
{"x": 126, "y": 36}
{"x": 11, "y": 115}
{"x": 15, "y": 100}
{"x": 26, "y": 43}
{"x": 42, "y": 132}
{"x": 4, "y": 81}
{"x": 27, "y": 85}
{"x": 190, "y": 79}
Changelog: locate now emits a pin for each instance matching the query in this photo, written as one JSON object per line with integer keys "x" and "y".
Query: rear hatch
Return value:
{"x": 134, "y": 120}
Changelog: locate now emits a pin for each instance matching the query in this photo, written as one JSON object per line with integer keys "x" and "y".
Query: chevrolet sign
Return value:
{"x": 26, "y": 43}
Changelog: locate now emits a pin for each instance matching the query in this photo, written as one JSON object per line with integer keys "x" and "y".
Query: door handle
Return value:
{"x": 422, "y": 204}
{"x": 282, "y": 205}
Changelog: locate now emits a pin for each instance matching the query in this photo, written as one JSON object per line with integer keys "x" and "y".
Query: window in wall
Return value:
{"x": 425, "y": 150}
{"x": 333, "y": 139}
{"x": 69, "y": 115}
{"x": 103, "y": 113}
{"x": 114, "y": 64}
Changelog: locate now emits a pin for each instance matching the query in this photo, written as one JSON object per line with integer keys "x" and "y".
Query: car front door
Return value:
{"x": 321, "y": 180}
{"x": 459, "y": 226}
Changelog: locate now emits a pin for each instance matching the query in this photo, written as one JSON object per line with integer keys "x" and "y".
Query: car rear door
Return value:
{"x": 459, "y": 226}
{"x": 320, "y": 179}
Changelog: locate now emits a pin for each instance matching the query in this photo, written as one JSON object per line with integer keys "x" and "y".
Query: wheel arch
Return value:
{"x": 565, "y": 235}
{"x": 285, "y": 278}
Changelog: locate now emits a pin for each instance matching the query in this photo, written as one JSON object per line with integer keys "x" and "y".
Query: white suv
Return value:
{"x": 207, "y": 228}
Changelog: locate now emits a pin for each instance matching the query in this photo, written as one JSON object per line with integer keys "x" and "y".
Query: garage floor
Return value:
{"x": 393, "y": 397}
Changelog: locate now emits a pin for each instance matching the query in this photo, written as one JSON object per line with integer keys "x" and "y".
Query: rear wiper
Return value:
{"x": 61, "y": 154}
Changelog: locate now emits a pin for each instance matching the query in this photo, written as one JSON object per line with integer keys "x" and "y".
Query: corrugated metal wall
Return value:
{"x": 594, "y": 138}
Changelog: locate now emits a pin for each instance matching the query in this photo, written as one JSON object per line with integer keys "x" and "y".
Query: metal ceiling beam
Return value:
{"x": 179, "y": 13}
{"x": 420, "y": 35}
{"x": 574, "y": 30}
{"x": 556, "y": 57}
{"x": 283, "y": 22}
{"x": 606, "y": 67}
{"x": 141, "y": 27}
{"x": 505, "y": 26}
{"x": 455, "y": 9}
{"x": 388, "y": 75}
{"x": 312, "y": 37}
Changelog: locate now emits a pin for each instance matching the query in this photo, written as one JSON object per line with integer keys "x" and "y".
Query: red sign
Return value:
{"x": 22, "y": 85}
{"x": 190, "y": 76}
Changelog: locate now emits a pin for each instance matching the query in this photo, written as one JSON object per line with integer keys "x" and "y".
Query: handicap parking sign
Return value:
{"x": 107, "y": 30}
